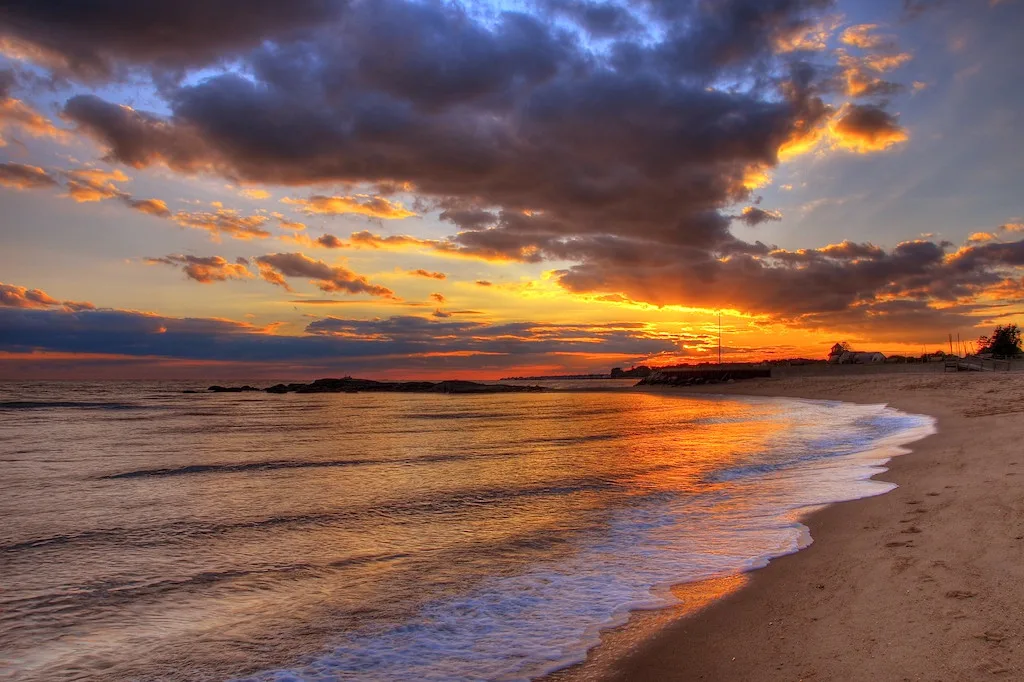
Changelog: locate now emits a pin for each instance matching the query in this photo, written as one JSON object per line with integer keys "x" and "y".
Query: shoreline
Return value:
{"x": 888, "y": 581}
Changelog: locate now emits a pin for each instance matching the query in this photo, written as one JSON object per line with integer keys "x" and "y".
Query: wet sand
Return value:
{"x": 923, "y": 583}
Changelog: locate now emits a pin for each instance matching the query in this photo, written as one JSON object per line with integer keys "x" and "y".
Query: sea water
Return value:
{"x": 152, "y": 534}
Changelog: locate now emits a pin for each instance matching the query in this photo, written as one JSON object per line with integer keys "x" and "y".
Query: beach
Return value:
{"x": 923, "y": 583}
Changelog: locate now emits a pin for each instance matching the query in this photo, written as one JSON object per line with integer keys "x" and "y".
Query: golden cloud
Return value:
{"x": 224, "y": 221}
{"x": 16, "y": 114}
{"x": 865, "y": 129}
{"x": 93, "y": 184}
{"x": 360, "y": 204}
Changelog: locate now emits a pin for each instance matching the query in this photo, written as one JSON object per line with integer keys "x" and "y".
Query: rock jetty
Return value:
{"x": 350, "y": 385}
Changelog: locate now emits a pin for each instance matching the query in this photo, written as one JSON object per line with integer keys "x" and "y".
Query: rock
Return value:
{"x": 350, "y": 385}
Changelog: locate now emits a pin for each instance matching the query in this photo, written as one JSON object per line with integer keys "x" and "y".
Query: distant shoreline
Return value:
{"x": 351, "y": 385}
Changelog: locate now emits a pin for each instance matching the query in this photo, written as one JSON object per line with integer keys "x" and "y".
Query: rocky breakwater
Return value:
{"x": 697, "y": 376}
{"x": 350, "y": 385}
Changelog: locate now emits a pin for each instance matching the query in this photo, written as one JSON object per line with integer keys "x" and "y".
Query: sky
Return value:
{"x": 426, "y": 188}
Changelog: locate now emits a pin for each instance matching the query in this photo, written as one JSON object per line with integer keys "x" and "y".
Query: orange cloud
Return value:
{"x": 360, "y": 204}
{"x": 865, "y": 128}
{"x": 93, "y": 184}
{"x": 863, "y": 36}
{"x": 811, "y": 38}
{"x": 426, "y": 273}
{"x": 12, "y": 296}
{"x": 253, "y": 193}
{"x": 16, "y": 114}
{"x": 153, "y": 207}
{"x": 224, "y": 221}
{"x": 887, "y": 62}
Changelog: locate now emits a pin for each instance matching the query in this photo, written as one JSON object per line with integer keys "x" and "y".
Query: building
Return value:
{"x": 841, "y": 356}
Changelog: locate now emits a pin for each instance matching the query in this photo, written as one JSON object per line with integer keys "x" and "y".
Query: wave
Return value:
{"x": 422, "y": 508}
{"x": 68, "y": 404}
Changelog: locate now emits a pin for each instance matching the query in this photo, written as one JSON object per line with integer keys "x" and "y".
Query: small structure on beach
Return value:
{"x": 842, "y": 356}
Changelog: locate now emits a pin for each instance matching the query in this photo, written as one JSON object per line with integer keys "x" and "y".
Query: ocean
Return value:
{"x": 149, "y": 534}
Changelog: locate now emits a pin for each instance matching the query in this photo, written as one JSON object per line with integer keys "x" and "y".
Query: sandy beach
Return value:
{"x": 923, "y": 583}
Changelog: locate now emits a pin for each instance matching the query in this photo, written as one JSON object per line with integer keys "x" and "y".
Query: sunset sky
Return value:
{"x": 384, "y": 188}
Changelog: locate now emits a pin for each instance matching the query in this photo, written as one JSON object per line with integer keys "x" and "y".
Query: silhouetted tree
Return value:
{"x": 1005, "y": 340}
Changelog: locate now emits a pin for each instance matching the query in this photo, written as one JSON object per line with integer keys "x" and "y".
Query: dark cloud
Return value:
{"x": 275, "y": 267}
{"x": 121, "y": 332}
{"x": 94, "y": 40}
{"x": 599, "y": 19}
{"x": 625, "y": 162}
{"x": 795, "y": 286}
{"x": 8, "y": 81}
{"x": 512, "y": 115}
{"x": 753, "y": 216}
{"x": 912, "y": 9}
{"x": 206, "y": 269}
{"x": 20, "y": 176}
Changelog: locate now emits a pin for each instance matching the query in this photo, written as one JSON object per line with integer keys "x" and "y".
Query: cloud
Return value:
{"x": 427, "y": 273}
{"x": 100, "y": 41}
{"x": 275, "y": 267}
{"x": 372, "y": 207}
{"x": 94, "y": 184}
{"x": 439, "y": 298}
{"x": 286, "y": 224}
{"x": 206, "y": 269}
{"x": 496, "y": 119}
{"x": 16, "y": 114}
{"x": 153, "y": 207}
{"x": 254, "y": 193}
{"x": 407, "y": 341}
{"x": 599, "y": 19}
{"x": 484, "y": 283}
{"x": 590, "y": 140}
{"x": 807, "y": 286}
{"x": 20, "y": 176}
{"x": 864, "y": 37}
{"x": 12, "y": 296}
{"x": 223, "y": 221}
{"x": 867, "y": 128}
{"x": 753, "y": 216}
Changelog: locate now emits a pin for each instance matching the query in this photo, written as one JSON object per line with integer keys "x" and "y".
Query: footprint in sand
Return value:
{"x": 899, "y": 544}
{"x": 932, "y": 494}
{"x": 960, "y": 594}
{"x": 991, "y": 636}
{"x": 993, "y": 668}
{"x": 912, "y": 529}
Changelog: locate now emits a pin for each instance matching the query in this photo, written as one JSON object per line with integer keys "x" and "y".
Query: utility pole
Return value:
{"x": 719, "y": 337}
